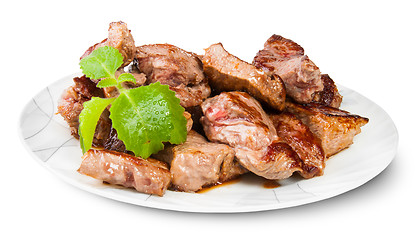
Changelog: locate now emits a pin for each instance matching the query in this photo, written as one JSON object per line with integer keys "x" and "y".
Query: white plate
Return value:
{"x": 48, "y": 138}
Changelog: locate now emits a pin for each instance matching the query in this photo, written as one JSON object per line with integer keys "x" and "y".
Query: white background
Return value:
{"x": 369, "y": 46}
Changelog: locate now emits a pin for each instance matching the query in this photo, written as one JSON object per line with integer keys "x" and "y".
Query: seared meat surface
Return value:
{"x": 237, "y": 119}
{"x": 145, "y": 175}
{"x": 181, "y": 70}
{"x": 198, "y": 163}
{"x": 301, "y": 77}
{"x": 71, "y": 104}
{"x": 329, "y": 96}
{"x": 119, "y": 37}
{"x": 334, "y": 127}
{"x": 299, "y": 137}
{"x": 228, "y": 73}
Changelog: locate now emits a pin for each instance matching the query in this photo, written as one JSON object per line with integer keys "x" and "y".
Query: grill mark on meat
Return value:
{"x": 288, "y": 49}
{"x": 300, "y": 138}
{"x": 251, "y": 115}
{"x": 329, "y": 96}
{"x": 334, "y": 127}
{"x": 277, "y": 147}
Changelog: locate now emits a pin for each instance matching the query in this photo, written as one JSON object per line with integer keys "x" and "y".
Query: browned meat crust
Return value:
{"x": 301, "y": 77}
{"x": 181, "y": 70}
{"x": 329, "y": 96}
{"x": 198, "y": 163}
{"x": 276, "y": 161}
{"x": 145, "y": 175}
{"x": 71, "y": 104}
{"x": 228, "y": 73}
{"x": 334, "y": 127}
{"x": 119, "y": 37}
{"x": 307, "y": 146}
{"x": 237, "y": 119}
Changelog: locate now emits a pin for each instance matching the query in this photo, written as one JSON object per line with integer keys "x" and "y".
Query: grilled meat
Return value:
{"x": 301, "y": 77}
{"x": 228, "y": 73}
{"x": 329, "y": 96}
{"x": 71, "y": 104}
{"x": 145, "y": 175}
{"x": 299, "y": 137}
{"x": 334, "y": 127}
{"x": 181, "y": 70}
{"x": 119, "y": 37}
{"x": 198, "y": 163}
{"x": 237, "y": 119}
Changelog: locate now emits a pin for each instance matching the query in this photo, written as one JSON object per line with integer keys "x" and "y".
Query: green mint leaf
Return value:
{"x": 101, "y": 63}
{"x": 107, "y": 82}
{"x": 145, "y": 117}
{"x": 89, "y": 118}
{"x": 126, "y": 77}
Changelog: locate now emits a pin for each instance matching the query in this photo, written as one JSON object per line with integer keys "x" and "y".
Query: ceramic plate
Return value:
{"x": 47, "y": 136}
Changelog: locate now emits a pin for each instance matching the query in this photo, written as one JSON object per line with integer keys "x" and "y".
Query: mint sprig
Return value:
{"x": 89, "y": 118}
{"x": 143, "y": 117}
{"x": 102, "y": 63}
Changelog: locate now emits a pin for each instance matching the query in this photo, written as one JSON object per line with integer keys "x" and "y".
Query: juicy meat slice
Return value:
{"x": 145, "y": 175}
{"x": 173, "y": 66}
{"x": 119, "y": 37}
{"x": 301, "y": 77}
{"x": 299, "y": 137}
{"x": 334, "y": 127}
{"x": 276, "y": 161}
{"x": 198, "y": 163}
{"x": 237, "y": 119}
{"x": 71, "y": 104}
{"x": 329, "y": 96}
{"x": 229, "y": 73}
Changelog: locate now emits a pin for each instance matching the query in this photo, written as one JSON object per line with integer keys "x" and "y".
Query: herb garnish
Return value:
{"x": 143, "y": 117}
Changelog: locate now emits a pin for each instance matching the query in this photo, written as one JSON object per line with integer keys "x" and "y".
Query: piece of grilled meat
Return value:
{"x": 173, "y": 66}
{"x": 145, "y": 175}
{"x": 229, "y": 73}
{"x": 329, "y": 96}
{"x": 334, "y": 127}
{"x": 299, "y": 137}
{"x": 119, "y": 37}
{"x": 301, "y": 77}
{"x": 237, "y": 119}
{"x": 71, "y": 104}
{"x": 197, "y": 163}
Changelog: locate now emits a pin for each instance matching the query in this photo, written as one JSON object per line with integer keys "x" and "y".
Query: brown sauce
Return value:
{"x": 218, "y": 184}
{"x": 268, "y": 184}
{"x": 271, "y": 184}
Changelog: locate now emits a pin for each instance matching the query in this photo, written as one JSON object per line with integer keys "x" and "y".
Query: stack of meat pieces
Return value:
{"x": 274, "y": 117}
